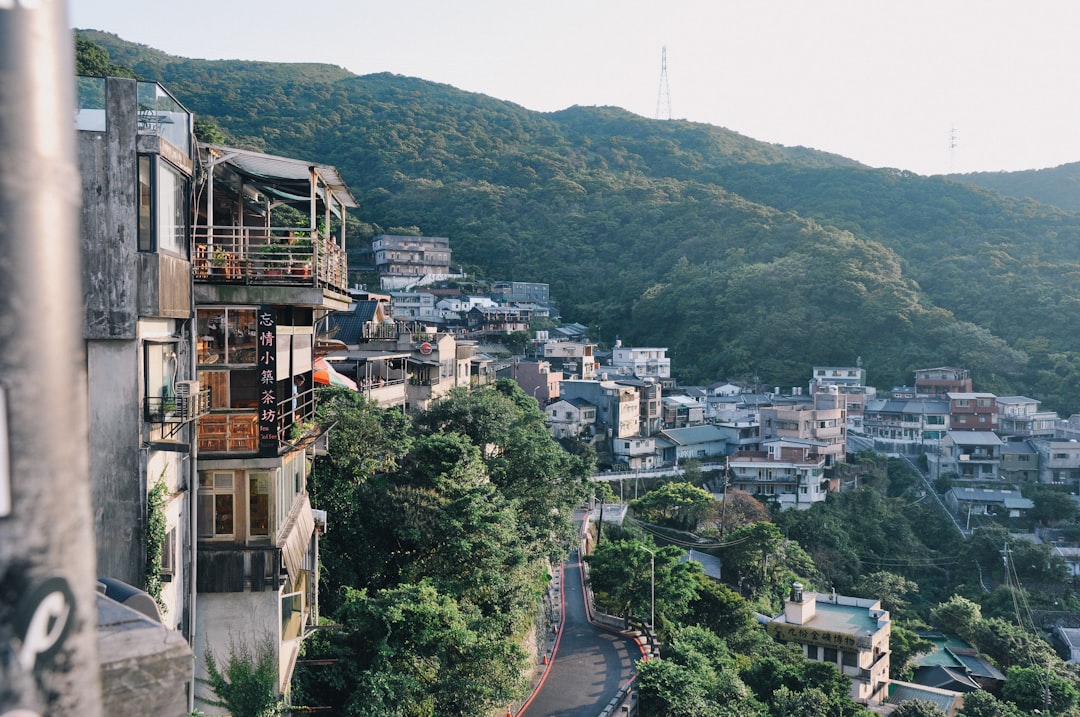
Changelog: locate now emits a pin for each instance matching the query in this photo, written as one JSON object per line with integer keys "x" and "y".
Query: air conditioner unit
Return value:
{"x": 187, "y": 399}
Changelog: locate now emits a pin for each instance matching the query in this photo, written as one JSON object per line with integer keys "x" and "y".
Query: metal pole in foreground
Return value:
{"x": 48, "y": 650}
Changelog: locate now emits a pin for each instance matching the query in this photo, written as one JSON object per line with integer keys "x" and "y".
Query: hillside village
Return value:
{"x": 785, "y": 445}
{"x": 226, "y": 339}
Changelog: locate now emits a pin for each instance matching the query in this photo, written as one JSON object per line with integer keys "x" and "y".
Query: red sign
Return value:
{"x": 425, "y": 348}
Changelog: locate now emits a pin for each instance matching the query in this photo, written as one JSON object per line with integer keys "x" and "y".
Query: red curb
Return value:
{"x": 554, "y": 648}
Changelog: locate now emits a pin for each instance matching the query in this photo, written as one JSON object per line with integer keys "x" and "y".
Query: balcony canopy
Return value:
{"x": 281, "y": 177}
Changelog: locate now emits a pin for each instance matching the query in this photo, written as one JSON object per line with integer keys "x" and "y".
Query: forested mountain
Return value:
{"x": 744, "y": 258}
{"x": 1055, "y": 185}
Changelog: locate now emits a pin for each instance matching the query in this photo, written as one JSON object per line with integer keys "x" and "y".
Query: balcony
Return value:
{"x": 232, "y": 255}
{"x": 237, "y": 431}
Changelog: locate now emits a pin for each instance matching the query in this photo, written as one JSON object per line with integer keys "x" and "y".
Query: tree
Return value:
{"x": 619, "y": 573}
{"x": 415, "y": 651}
{"x": 917, "y": 708}
{"x": 905, "y": 645}
{"x": 739, "y": 510}
{"x": 92, "y": 60}
{"x": 1038, "y": 688}
{"x": 675, "y": 505}
{"x": 246, "y": 684}
{"x": 891, "y": 589}
{"x": 959, "y": 615}
{"x": 983, "y": 704}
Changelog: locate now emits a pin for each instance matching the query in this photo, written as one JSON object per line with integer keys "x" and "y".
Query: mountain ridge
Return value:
{"x": 744, "y": 258}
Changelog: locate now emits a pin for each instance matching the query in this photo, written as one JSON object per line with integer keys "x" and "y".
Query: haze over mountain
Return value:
{"x": 744, "y": 258}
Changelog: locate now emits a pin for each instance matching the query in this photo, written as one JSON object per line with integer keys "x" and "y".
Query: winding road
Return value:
{"x": 589, "y": 664}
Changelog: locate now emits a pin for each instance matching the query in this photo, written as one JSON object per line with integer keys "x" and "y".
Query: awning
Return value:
{"x": 296, "y": 537}
{"x": 326, "y": 374}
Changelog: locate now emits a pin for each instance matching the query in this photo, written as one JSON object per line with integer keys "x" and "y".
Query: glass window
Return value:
{"x": 259, "y": 504}
{"x": 215, "y": 505}
{"x": 160, "y": 369}
{"x": 241, "y": 336}
{"x": 146, "y": 227}
{"x": 830, "y": 655}
{"x": 848, "y": 659}
{"x": 168, "y": 553}
{"x": 172, "y": 210}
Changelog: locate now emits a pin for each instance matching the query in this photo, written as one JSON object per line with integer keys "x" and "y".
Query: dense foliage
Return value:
{"x": 439, "y": 550}
{"x": 743, "y": 258}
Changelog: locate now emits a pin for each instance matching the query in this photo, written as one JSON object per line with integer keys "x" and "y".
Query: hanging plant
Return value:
{"x": 155, "y": 538}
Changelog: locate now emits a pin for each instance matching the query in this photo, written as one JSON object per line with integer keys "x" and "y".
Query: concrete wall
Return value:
{"x": 252, "y": 617}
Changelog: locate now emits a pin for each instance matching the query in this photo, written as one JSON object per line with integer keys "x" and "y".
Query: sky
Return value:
{"x": 930, "y": 86}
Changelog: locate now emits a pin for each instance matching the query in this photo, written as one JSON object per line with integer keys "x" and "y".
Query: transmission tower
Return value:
{"x": 663, "y": 97}
{"x": 953, "y": 141}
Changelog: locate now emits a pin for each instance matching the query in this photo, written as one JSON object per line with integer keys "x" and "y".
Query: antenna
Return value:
{"x": 663, "y": 96}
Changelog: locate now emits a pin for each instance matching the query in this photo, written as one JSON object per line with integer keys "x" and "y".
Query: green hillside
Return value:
{"x": 744, "y": 258}
{"x": 1055, "y": 185}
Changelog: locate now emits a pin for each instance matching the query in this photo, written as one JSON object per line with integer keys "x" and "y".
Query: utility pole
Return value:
{"x": 48, "y": 648}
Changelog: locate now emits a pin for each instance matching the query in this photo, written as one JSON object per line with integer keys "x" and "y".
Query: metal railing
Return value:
{"x": 247, "y": 255}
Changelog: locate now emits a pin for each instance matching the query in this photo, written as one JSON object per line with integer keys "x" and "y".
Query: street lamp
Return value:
{"x": 652, "y": 581}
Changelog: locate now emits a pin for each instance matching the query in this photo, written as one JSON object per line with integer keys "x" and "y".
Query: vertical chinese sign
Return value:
{"x": 267, "y": 366}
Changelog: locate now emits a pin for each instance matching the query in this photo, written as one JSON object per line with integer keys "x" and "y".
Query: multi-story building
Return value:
{"x": 535, "y": 378}
{"x": 641, "y": 362}
{"x": 788, "y": 471}
{"x": 1020, "y": 416}
{"x": 841, "y": 376}
{"x": 404, "y": 261}
{"x": 636, "y": 453}
{"x": 972, "y": 412}
{"x": 969, "y": 455}
{"x": 618, "y": 407}
{"x": 521, "y": 292}
{"x": 407, "y": 305}
{"x": 851, "y": 634}
{"x": 682, "y": 411}
{"x": 1019, "y": 462}
{"x": 571, "y": 418}
{"x": 909, "y": 426}
{"x": 826, "y": 426}
{"x": 575, "y": 359}
{"x": 259, "y": 291}
{"x": 649, "y": 394}
{"x": 1059, "y": 462}
{"x": 939, "y": 382}
{"x": 137, "y": 159}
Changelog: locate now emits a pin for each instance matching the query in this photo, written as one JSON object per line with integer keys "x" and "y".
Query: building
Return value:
{"x": 826, "y": 426}
{"x": 571, "y": 418}
{"x": 850, "y": 633}
{"x": 521, "y": 292}
{"x": 692, "y": 443}
{"x": 941, "y": 381}
{"x": 1019, "y": 462}
{"x": 636, "y": 453}
{"x": 618, "y": 407}
{"x": 575, "y": 359}
{"x": 968, "y": 455}
{"x": 649, "y": 395}
{"x": 986, "y": 501}
{"x": 790, "y": 472}
{"x": 641, "y": 362}
{"x": 1020, "y": 416}
{"x": 535, "y": 378}
{"x": 404, "y": 261}
{"x": 405, "y": 305}
{"x": 137, "y": 161}
{"x": 973, "y": 412}
{"x": 1059, "y": 462}
{"x": 841, "y": 376}
{"x": 259, "y": 291}
{"x": 906, "y": 426}
{"x": 682, "y": 411}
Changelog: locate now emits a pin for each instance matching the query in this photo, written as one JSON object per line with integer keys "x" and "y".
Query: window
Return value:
{"x": 160, "y": 367}
{"x": 848, "y": 659}
{"x": 259, "y": 505}
{"x": 163, "y": 206}
{"x": 216, "y": 505}
{"x": 168, "y": 554}
{"x": 829, "y": 655}
{"x": 983, "y": 403}
{"x": 812, "y": 652}
{"x": 962, "y": 403}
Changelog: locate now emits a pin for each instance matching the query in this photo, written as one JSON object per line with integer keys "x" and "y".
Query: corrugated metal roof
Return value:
{"x": 268, "y": 166}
